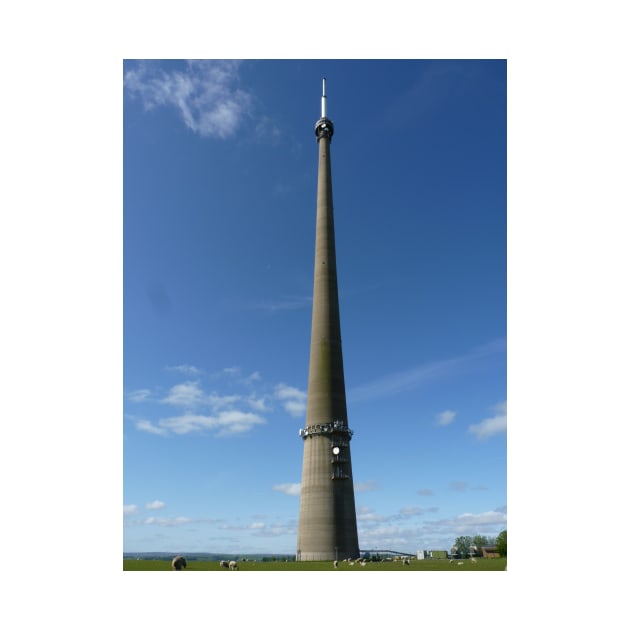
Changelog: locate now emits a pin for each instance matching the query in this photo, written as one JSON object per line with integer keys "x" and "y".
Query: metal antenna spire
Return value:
{"x": 324, "y": 126}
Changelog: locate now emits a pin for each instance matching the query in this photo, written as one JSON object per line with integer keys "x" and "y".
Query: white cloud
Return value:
{"x": 408, "y": 512}
{"x": 130, "y": 509}
{"x": 184, "y": 369}
{"x": 292, "y": 489}
{"x": 155, "y": 505}
{"x": 230, "y": 422}
{"x": 217, "y": 402}
{"x": 149, "y": 427}
{"x": 365, "y": 486}
{"x": 258, "y": 404}
{"x": 367, "y": 514}
{"x": 139, "y": 395}
{"x": 200, "y": 411}
{"x": 464, "y": 486}
{"x": 459, "y": 486}
{"x": 233, "y": 422}
{"x": 294, "y": 400}
{"x": 491, "y": 426}
{"x": 167, "y": 522}
{"x": 282, "y": 392}
{"x": 425, "y": 492}
{"x": 295, "y": 408}
{"x": 190, "y": 396}
{"x": 465, "y": 523}
{"x": 445, "y": 417}
{"x": 187, "y": 395}
{"x": 205, "y": 94}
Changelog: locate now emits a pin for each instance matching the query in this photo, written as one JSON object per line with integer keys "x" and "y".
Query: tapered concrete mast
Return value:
{"x": 327, "y": 527}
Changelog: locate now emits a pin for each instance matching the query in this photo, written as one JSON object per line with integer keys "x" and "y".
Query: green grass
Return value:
{"x": 482, "y": 564}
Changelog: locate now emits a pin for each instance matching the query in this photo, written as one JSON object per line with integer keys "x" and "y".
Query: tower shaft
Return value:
{"x": 327, "y": 527}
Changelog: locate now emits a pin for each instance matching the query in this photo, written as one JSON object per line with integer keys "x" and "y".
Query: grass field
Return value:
{"x": 482, "y": 564}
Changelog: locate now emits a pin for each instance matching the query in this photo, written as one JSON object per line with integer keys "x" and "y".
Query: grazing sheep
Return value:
{"x": 459, "y": 564}
{"x": 351, "y": 563}
{"x": 335, "y": 564}
{"x": 233, "y": 565}
{"x": 451, "y": 561}
{"x": 179, "y": 563}
{"x": 224, "y": 564}
{"x": 474, "y": 560}
{"x": 406, "y": 561}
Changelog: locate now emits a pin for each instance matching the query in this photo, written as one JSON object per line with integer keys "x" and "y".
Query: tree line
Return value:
{"x": 464, "y": 543}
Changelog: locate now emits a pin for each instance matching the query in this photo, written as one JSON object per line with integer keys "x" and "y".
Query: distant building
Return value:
{"x": 490, "y": 552}
{"x": 421, "y": 554}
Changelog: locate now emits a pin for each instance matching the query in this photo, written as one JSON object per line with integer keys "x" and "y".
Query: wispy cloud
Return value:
{"x": 293, "y": 399}
{"x": 411, "y": 511}
{"x": 210, "y": 412}
{"x": 284, "y": 304}
{"x": 258, "y": 404}
{"x": 409, "y": 379}
{"x": 410, "y": 528}
{"x": 464, "y": 486}
{"x": 366, "y": 514}
{"x": 155, "y": 505}
{"x": 184, "y": 369}
{"x": 130, "y": 509}
{"x": 148, "y": 427}
{"x": 292, "y": 489}
{"x": 445, "y": 417}
{"x": 139, "y": 395}
{"x": 167, "y": 522}
{"x": 188, "y": 395}
{"x": 204, "y": 92}
{"x": 253, "y": 377}
{"x": 425, "y": 492}
{"x": 225, "y": 423}
{"x": 365, "y": 486}
{"x": 465, "y": 523}
{"x": 493, "y": 425}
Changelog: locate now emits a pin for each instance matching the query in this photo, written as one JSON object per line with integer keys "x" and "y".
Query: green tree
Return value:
{"x": 502, "y": 543}
{"x": 480, "y": 541}
{"x": 463, "y": 545}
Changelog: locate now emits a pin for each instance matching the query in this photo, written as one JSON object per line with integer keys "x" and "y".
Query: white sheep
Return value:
{"x": 224, "y": 564}
{"x": 473, "y": 560}
{"x": 335, "y": 564}
{"x": 459, "y": 564}
{"x": 233, "y": 565}
{"x": 178, "y": 563}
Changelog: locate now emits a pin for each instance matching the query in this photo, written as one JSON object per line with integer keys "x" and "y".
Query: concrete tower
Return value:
{"x": 327, "y": 527}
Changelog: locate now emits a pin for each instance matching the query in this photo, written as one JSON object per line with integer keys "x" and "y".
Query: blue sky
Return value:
{"x": 220, "y": 168}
